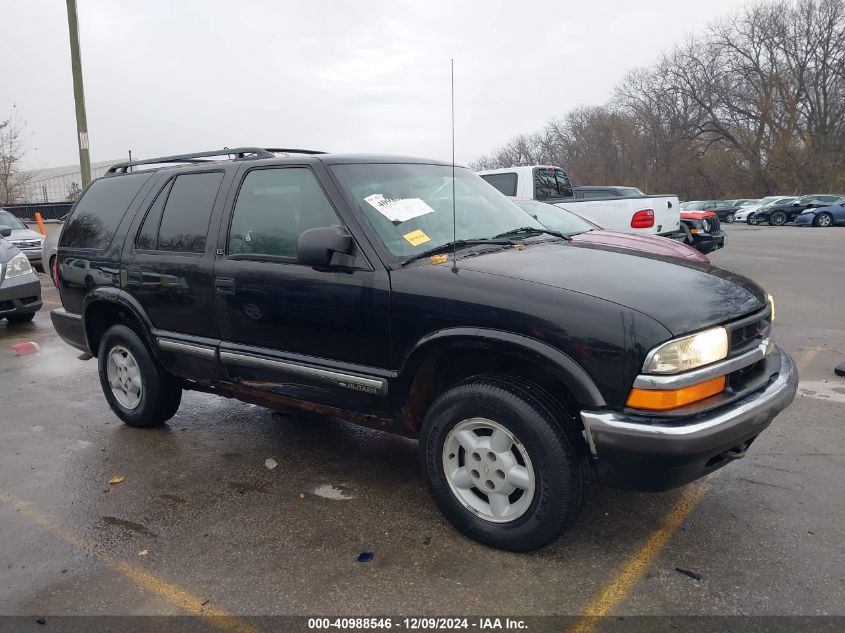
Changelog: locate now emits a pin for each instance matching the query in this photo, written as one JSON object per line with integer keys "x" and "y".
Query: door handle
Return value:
{"x": 224, "y": 285}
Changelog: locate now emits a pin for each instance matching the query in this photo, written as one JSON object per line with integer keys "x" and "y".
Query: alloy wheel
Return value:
{"x": 488, "y": 470}
{"x": 124, "y": 376}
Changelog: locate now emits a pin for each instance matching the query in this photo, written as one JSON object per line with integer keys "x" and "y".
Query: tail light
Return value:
{"x": 55, "y": 271}
{"x": 643, "y": 219}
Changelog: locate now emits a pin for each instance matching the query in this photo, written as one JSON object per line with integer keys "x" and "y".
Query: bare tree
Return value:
{"x": 13, "y": 180}
{"x": 754, "y": 105}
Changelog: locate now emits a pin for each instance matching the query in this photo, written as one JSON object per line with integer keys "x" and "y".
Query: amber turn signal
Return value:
{"x": 661, "y": 400}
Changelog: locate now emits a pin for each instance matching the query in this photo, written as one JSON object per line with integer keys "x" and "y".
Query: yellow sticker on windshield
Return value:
{"x": 415, "y": 238}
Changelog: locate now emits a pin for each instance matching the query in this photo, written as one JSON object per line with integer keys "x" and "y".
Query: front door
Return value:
{"x": 321, "y": 336}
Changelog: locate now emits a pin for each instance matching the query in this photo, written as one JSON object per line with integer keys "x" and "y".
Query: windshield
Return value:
{"x": 784, "y": 200}
{"x": 696, "y": 206}
{"x": 7, "y": 219}
{"x": 751, "y": 203}
{"x": 410, "y": 205}
{"x": 554, "y": 217}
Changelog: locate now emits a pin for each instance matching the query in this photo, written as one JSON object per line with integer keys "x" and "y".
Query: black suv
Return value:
{"x": 412, "y": 296}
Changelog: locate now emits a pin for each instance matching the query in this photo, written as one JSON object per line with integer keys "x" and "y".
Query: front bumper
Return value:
{"x": 20, "y": 295}
{"x": 805, "y": 218}
{"x": 707, "y": 243}
{"x": 670, "y": 452}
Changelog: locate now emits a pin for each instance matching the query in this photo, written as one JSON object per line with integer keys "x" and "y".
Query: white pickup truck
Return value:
{"x": 655, "y": 215}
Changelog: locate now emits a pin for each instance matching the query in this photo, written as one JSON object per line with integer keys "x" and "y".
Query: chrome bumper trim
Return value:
{"x": 749, "y": 412}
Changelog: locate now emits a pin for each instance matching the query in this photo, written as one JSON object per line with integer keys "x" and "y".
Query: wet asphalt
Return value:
{"x": 198, "y": 511}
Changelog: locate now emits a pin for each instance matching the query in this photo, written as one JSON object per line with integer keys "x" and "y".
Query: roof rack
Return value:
{"x": 197, "y": 157}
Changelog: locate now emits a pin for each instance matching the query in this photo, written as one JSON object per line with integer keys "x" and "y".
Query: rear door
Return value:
{"x": 168, "y": 256}
{"x": 320, "y": 336}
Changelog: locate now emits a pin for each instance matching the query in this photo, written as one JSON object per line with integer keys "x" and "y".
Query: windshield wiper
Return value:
{"x": 531, "y": 229}
{"x": 449, "y": 246}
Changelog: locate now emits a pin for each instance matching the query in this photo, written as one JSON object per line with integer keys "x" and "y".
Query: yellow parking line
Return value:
{"x": 173, "y": 594}
{"x": 631, "y": 571}
{"x": 806, "y": 358}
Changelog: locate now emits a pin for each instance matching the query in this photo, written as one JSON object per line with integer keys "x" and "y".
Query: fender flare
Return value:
{"x": 117, "y": 297}
{"x": 573, "y": 376}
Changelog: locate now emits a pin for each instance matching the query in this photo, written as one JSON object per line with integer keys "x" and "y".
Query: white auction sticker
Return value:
{"x": 398, "y": 209}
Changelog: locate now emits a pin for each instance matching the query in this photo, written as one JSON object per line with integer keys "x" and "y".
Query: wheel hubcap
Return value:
{"x": 824, "y": 220}
{"x": 488, "y": 470}
{"x": 124, "y": 377}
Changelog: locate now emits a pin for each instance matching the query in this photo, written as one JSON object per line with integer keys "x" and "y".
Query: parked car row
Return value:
{"x": 815, "y": 209}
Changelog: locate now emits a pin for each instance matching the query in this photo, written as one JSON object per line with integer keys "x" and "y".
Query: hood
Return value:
{"x": 698, "y": 215}
{"x": 24, "y": 234}
{"x": 640, "y": 242}
{"x": 683, "y": 296}
{"x": 7, "y": 250}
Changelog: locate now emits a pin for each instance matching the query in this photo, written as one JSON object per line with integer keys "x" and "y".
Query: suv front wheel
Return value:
{"x": 503, "y": 462}
{"x": 138, "y": 391}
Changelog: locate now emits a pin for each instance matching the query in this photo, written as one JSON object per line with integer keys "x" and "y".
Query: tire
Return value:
{"x": 778, "y": 218}
{"x": 823, "y": 219}
{"x": 158, "y": 395}
{"x": 543, "y": 440}
{"x": 21, "y": 318}
{"x": 730, "y": 218}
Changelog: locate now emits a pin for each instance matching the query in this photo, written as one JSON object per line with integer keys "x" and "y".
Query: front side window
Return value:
{"x": 98, "y": 213}
{"x": 187, "y": 212}
{"x": 274, "y": 207}
{"x": 410, "y": 205}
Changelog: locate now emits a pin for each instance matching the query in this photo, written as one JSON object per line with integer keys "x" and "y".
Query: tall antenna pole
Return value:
{"x": 454, "y": 212}
{"x": 78, "y": 94}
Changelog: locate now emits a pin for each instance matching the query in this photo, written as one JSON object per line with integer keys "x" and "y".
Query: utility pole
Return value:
{"x": 78, "y": 93}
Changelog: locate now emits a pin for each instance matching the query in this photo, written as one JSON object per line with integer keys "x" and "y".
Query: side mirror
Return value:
{"x": 5, "y": 231}
{"x": 325, "y": 247}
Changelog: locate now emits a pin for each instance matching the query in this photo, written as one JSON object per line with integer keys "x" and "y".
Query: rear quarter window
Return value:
{"x": 506, "y": 183}
{"x": 100, "y": 210}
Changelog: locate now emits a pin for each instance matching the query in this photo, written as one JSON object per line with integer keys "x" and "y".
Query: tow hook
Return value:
{"x": 737, "y": 452}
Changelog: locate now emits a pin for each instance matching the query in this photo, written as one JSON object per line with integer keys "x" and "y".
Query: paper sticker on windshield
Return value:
{"x": 415, "y": 238}
{"x": 398, "y": 209}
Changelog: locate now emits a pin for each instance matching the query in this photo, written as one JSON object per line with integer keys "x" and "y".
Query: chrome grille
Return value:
{"x": 748, "y": 332}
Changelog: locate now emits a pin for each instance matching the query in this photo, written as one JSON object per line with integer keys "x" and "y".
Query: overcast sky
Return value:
{"x": 167, "y": 76}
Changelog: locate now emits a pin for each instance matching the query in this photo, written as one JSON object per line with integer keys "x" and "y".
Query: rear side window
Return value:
{"x": 99, "y": 212}
{"x": 148, "y": 235}
{"x": 506, "y": 183}
{"x": 178, "y": 218}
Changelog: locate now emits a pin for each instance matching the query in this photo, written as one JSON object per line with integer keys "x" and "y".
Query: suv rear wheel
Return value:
{"x": 138, "y": 391}
{"x": 502, "y": 461}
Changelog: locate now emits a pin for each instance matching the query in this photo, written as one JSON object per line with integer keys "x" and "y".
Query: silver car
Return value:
{"x": 28, "y": 241}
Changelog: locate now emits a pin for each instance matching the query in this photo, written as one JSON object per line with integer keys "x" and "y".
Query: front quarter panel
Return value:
{"x": 608, "y": 341}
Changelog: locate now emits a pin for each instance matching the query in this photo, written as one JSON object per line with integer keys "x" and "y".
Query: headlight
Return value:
{"x": 17, "y": 266}
{"x": 688, "y": 352}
